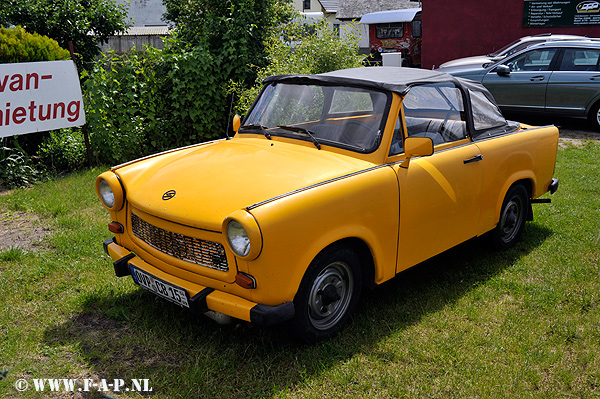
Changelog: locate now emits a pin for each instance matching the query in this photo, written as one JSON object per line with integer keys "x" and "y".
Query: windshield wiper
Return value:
{"x": 302, "y": 130}
{"x": 260, "y": 127}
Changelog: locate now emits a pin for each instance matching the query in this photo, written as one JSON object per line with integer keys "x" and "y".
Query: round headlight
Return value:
{"x": 238, "y": 238}
{"x": 106, "y": 194}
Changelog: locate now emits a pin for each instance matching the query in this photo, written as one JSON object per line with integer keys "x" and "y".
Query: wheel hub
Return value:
{"x": 330, "y": 295}
{"x": 510, "y": 219}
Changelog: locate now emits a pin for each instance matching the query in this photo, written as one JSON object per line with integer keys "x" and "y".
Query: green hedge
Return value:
{"x": 149, "y": 101}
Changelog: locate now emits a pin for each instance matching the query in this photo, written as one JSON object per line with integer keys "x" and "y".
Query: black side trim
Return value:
{"x": 198, "y": 301}
{"x": 122, "y": 267}
{"x": 106, "y": 243}
{"x": 270, "y": 315}
{"x": 249, "y": 208}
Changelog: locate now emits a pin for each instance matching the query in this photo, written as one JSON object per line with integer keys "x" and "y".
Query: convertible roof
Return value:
{"x": 395, "y": 79}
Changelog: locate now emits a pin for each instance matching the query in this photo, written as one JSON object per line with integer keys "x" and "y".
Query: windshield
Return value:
{"x": 342, "y": 116}
{"x": 503, "y": 49}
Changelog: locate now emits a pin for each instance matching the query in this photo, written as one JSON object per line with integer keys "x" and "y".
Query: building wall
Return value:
{"x": 145, "y": 12}
{"x": 458, "y": 28}
{"x": 315, "y": 6}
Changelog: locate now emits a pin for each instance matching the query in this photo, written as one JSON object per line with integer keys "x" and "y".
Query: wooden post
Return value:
{"x": 86, "y": 137}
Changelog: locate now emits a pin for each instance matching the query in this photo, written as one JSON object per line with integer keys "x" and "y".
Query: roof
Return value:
{"x": 355, "y": 9}
{"x": 381, "y": 17}
{"x": 395, "y": 79}
{"x": 329, "y": 5}
{"x": 146, "y": 31}
{"x": 593, "y": 43}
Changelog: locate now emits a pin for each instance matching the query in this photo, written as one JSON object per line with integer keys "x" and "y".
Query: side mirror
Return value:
{"x": 237, "y": 122}
{"x": 416, "y": 147}
{"x": 503, "y": 70}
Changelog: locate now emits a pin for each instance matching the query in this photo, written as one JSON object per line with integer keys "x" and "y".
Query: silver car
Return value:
{"x": 558, "y": 78}
{"x": 521, "y": 44}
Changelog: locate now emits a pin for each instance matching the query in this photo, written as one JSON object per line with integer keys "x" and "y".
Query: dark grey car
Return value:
{"x": 560, "y": 78}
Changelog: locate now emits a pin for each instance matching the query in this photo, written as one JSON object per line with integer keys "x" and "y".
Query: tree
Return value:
{"x": 232, "y": 31}
{"x": 86, "y": 23}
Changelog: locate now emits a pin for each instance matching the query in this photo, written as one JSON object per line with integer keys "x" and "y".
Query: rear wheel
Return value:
{"x": 512, "y": 217}
{"x": 594, "y": 116}
{"x": 328, "y": 295}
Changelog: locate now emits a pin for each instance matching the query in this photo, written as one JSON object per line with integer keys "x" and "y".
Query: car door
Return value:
{"x": 439, "y": 194}
{"x": 575, "y": 82}
{"x": 524, "y": 87}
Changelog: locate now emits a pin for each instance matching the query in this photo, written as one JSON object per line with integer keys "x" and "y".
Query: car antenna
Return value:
{"x": 229, "y": 117}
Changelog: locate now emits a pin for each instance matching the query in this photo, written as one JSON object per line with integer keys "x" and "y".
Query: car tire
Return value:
{"x": 328, "y": 295}
{"x": 513, "y": 215}
{"x": 594, "y": 116}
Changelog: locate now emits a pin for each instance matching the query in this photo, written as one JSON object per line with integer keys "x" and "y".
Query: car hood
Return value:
{"x": 475, "y": 61}
{"x": 468, "y": 72}
{"x": 213, "y": 180}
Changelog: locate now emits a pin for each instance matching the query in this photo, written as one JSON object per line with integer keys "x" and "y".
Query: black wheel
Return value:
{"x": 594, "y": 116}
{"x": 512, "y": 217}
{"x": 328, "y": 295}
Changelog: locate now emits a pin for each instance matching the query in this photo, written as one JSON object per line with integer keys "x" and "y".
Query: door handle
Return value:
{"x": 476, "y": 158}
{"x": 537, "y": 78}
{"x": 595, "y": 77}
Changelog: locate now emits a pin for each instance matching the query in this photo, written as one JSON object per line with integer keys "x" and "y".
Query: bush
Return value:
{"x": 16, "y": 45}
{"x": 63, "y": 150}
{"x": 149, "y": 101}
{"x": 16, "y": 169}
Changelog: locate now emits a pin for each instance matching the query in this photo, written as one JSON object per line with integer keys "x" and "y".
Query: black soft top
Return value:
{"x": 394, "y": 79}
{"x": 399, "y": 80}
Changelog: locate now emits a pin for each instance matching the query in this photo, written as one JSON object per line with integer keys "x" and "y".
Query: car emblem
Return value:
{"x": 168, "y": 195}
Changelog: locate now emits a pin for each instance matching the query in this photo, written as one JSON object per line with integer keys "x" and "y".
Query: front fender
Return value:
{"x": 297, "y": 227}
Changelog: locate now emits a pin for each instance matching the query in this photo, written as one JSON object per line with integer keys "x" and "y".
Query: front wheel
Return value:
{"x": 512, "y": 217}
{"x": 328, "y": 295}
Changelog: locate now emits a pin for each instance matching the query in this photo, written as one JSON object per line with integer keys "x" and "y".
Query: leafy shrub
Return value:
{"x": 149, "y": 101}
{"x": 16, "y": 45}
{"x": 63, "y": 150}
{"x": 16, "y": 169}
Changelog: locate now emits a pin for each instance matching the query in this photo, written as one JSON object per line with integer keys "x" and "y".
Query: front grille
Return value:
{"x": 204, "y": 253}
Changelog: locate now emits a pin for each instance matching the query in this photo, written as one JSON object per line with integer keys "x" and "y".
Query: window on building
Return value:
{"x": 336, "y": 29}
{"x": 416, "y": 28}
{"x": 389, "y": 31}
{"x": 306, "y": 4}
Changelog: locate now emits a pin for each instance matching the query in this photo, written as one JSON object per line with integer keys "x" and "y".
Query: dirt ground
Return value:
{"x": 22, "y": 230}
{"x": 26, "y": 231}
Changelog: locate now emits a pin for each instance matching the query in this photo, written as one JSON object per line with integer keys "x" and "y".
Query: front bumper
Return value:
{"x": 202, "y": 299}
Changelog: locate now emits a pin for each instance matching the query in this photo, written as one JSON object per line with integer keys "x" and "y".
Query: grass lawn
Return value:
{"x": 470, "y": 323}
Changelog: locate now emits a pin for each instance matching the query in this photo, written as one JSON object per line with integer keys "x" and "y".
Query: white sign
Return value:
{"x": 39, "y": 96}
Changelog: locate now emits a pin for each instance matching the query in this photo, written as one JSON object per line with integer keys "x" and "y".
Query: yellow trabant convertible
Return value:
{"x": 332, "y": 183}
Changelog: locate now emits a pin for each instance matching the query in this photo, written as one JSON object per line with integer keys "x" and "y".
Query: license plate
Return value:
{"x": 161, "y": 288}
